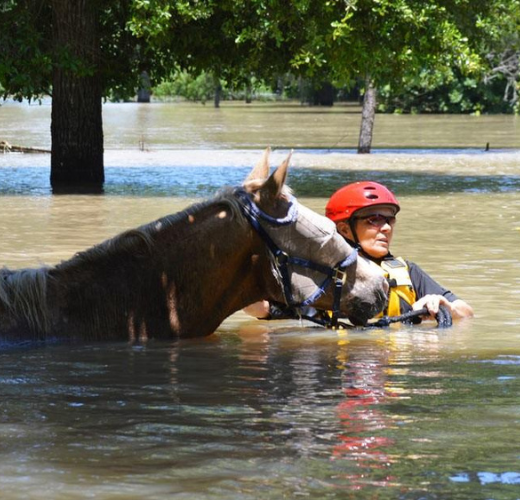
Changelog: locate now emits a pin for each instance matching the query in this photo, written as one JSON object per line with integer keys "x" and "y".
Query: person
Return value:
{"x": 365, "y": 215}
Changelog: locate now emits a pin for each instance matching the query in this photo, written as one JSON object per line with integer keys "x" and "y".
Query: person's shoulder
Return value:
{"x": 414, "y": 267}
{"x": 418, "y": 274}
{"x": 411, "y": 265}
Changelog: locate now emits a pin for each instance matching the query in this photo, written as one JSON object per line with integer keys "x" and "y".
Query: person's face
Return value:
{"x": 374, "y": 228}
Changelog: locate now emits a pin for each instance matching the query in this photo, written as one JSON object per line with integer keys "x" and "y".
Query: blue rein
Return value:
{"x": 336, "y": 274}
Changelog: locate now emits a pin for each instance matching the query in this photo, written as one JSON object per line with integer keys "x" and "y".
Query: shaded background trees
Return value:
{"x": 412, "y": 54}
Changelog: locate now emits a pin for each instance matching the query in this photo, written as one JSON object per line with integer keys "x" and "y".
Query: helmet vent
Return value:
{"x": 371, "y": 196}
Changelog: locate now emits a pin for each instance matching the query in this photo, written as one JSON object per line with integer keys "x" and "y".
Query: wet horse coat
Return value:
{"x": 179, "y": 276}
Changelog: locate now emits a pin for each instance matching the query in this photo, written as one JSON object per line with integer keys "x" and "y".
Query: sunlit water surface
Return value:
{"x": 271, "y": 409}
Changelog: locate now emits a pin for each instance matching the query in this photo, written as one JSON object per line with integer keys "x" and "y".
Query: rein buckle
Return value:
{"x": 340, "y": 275}
{"x": 281, "y": 258}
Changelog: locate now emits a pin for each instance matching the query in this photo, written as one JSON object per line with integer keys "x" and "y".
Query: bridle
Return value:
{"x": 336, "y": 275}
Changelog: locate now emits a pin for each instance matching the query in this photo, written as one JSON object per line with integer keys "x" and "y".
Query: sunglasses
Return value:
{"x": 379, "y": 220}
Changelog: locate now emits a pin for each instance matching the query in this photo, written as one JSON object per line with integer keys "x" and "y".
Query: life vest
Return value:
{"x": 397, "y": 273}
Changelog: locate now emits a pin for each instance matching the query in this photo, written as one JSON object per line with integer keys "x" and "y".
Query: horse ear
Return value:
{"x": 261, "y": 170}
{"x": 273, "y": 186}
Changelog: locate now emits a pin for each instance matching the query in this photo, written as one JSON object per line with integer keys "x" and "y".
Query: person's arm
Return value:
{"x": 461, "y": 309}
{"x": 276, "y": 310}
{"x": 430, "y": 295}
{"x": 260, "y": 310}
{"x": 458, "y": 308}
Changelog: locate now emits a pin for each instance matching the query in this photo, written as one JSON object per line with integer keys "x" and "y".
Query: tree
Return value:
{"x": 77, "y": 91}
{"x": 80, "y": 51}
{"x": 378, "y": 42}
{"x": 55, "y": 47}
{"x": 500, "y": 45}
{"x": 25, "y": 60}
{"x": 492, "y": 89}
{"x": 224, "y": 38}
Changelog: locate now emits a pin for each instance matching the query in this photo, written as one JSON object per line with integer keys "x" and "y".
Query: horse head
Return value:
{"x": 311, "y": 262}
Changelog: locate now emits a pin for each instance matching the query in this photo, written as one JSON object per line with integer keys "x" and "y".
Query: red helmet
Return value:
{"x": 352, "y": 197}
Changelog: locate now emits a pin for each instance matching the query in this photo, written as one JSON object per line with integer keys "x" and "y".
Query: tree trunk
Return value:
{"x": 145, "y": 88}
{"x": 218, "y": 92}
{"x": 76, "y": 119}
{"x": 367, "y": 117}
{"x": 249, "y": 92}
{"x": 324, "y": 95}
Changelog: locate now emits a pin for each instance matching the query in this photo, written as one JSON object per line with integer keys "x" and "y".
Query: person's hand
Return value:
{"x": 432, "y": 303}
{"x": 258, "y": 309}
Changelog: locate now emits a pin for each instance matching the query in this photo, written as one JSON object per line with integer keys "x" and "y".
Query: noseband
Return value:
{"x": 336, "y": 274}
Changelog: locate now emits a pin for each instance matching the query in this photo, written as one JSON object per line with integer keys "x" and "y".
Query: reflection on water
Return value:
{"x": 274, "y": 409}
{"x": 333, "y": 416}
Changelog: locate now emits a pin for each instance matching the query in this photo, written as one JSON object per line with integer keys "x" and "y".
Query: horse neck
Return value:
{"x": 179, "y": 276}
{"x": 220, "y": 266}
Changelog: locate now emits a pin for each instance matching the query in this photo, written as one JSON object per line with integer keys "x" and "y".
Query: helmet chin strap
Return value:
{"x": 351, "y": 225}
{"x": 354, "y": 241}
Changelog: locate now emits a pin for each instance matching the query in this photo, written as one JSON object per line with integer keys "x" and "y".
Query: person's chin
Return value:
{"x": 382, "y": 250}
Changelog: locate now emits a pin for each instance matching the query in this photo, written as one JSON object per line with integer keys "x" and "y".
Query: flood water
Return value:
{"x": 273, "y": 410}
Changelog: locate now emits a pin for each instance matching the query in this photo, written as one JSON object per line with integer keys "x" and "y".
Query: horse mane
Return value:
{"x": 23, "y": 293}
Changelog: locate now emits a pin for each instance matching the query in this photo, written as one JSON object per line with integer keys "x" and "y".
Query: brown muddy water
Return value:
{"x": 273, "y": 409}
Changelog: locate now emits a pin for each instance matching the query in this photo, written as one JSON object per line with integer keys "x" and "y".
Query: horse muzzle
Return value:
{"x": 366, "y": 308}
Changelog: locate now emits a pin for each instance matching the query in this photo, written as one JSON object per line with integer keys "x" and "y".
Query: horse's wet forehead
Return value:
{"x": 314, "y": 223}
{"x": 312, "y": 236}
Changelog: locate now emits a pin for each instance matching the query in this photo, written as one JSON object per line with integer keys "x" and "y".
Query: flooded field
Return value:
{"x": 272, "y": 409}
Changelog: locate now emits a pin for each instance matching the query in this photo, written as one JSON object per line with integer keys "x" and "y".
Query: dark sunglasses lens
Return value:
{"x": 381, "y": 220}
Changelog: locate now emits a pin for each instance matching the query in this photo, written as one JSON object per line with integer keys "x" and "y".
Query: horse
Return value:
{"x": 183, "y": 274}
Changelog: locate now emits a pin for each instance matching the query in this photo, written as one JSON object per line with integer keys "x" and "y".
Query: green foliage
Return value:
{"x": 25, "y": 64}
{"x": 149, "y": 18}
{"x": 450, "y": 92}
{"x": 425, "y": 55}
{"x": 388, "y": 39}
{"x": 500, "y": 44}
{"x": 199, "y": 88}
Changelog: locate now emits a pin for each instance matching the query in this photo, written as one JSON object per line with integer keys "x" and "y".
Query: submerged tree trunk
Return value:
{"x": 249, "y": 92}
{"x": 76, "y": 122}
{"x": 218, "y": 91}
{"x": 367, "y": 117}
{"x": 144, "y": 92}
